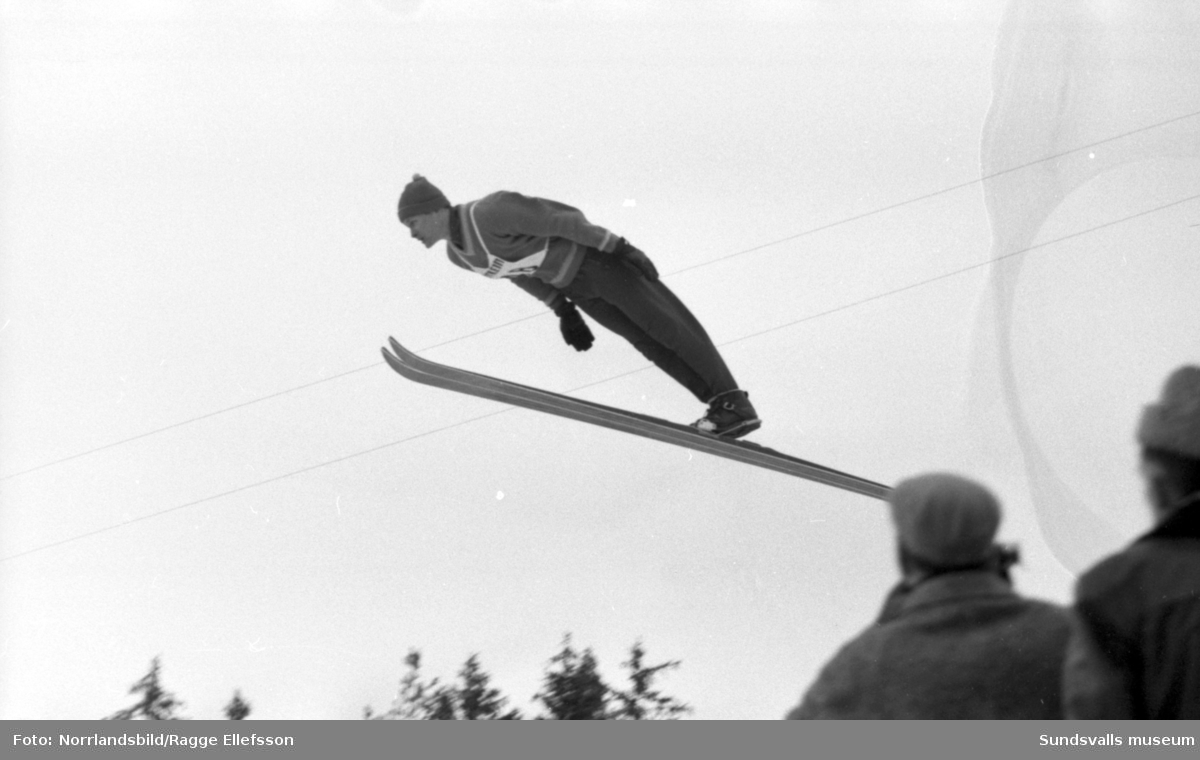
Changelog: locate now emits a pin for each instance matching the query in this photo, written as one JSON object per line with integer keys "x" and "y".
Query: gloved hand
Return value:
{"x": 574, "y": 330}
{"x": 633, "y": 255}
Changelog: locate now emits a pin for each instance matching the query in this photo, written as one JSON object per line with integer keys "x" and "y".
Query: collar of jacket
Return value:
{"x": 456, "y": 235}
{"x": 1184, "y": 522}
{"x": 952, "y": 588}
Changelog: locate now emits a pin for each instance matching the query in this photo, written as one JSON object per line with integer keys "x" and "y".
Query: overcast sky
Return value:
{"x": 205, "y": 459}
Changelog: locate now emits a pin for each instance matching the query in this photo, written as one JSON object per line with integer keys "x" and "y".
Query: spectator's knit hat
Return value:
{"x": 420, "y": 197}
{"x": 945, "y": 519}
{"x": 1173, "y": 424}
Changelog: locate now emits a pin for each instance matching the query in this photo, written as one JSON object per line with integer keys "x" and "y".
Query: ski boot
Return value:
{"x": 730, "y": 415}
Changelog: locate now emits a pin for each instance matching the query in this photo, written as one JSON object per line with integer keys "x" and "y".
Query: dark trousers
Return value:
{"x": 647, "y": 314}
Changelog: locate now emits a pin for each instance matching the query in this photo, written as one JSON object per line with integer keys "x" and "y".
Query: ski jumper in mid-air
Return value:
{"x": 550, "y": 250}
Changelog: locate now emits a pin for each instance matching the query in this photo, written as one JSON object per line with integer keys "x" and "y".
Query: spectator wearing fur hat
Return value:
{"x": 1135, "y": 652}
{"x": 551, "y": 251}
{"x": 954, "y": 640}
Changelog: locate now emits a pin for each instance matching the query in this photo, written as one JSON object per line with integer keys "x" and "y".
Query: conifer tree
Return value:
{"x": 572, "y": 687}
{"x": 441, "y": 705}
{"x": 417, "y": 699}
{"x": 642, "y": 701}
{"x": 238, "y": 708}
{"x": 156, "y": 703}
{"x": 476, "y": 699}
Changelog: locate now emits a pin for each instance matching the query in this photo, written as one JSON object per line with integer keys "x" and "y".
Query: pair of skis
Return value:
{"x": 423, "y": 371}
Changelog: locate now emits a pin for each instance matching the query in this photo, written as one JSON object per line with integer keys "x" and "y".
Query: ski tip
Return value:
{"x": 394, "y": 361}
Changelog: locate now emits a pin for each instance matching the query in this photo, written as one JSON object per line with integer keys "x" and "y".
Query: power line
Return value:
{"x": 710, "y": 262}
{"x": 239, "y": 489}
{"x": 184, "y": 422}
{"x": 956, "y": 272}
{"x": 936, "y": 193}
{"x": 293, "y": 473}
{"x": 243, "y": 405}
{"x": 844, "y": 307}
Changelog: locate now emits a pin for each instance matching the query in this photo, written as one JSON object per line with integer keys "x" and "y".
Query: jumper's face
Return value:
{"x": 426, "y": 228}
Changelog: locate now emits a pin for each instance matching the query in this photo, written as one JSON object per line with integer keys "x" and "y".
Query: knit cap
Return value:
{"x": 945, "y": 519}
{"x": 1173, "y": 423}
{"x": 420, "y": 197}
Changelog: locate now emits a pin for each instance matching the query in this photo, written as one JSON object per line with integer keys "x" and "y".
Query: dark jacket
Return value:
{"x": 1136, "y": 653}
{"x": 957, "y": 646}
{"x": 506, "y": 227}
